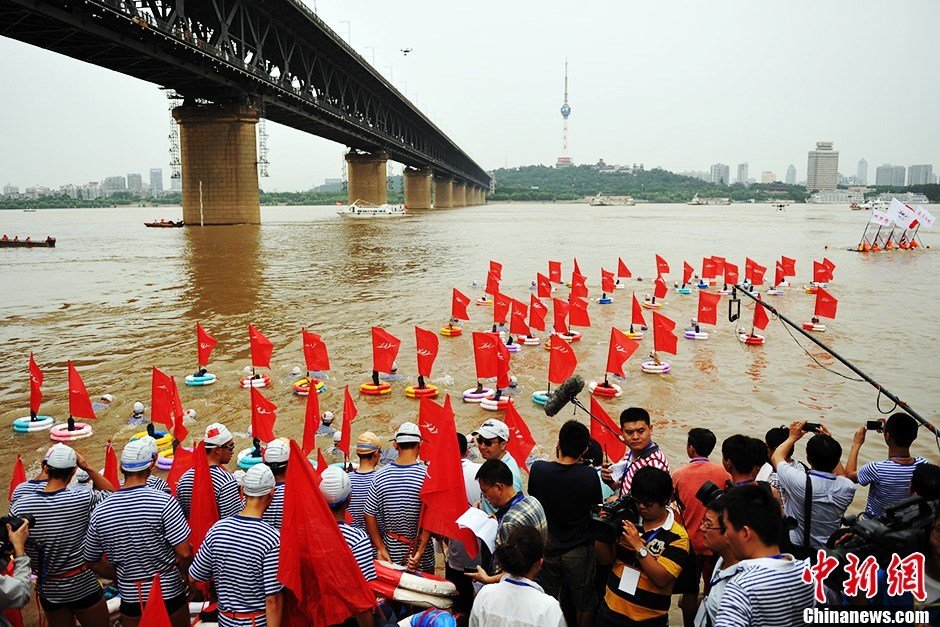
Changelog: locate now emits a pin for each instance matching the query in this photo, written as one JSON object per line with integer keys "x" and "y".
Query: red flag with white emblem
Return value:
{"x": 708, "y": 268}
{"x": 760, "y": 315}
{"x": 261, "y": 348}
{"x": 826, "y": 304}
{"x": 384, "y": 349}
{"x": 554, "y": 272}
{"x": 79, "y": 403}
{"x": 607, "y": 281}
{"x": 788, "y": 265}
{"x": 543, "y": 286}
{"x": 662, "y": 267}
{"x": 429, "y": 423}
{"x": 427, "y": 344}
{"x": 492, "y": 283}
{"x": 830, "y": 267}
{"x": 707, "y": 307}
{"x": 503, "y": 357}
{"x": 517, "y": 323}
{"x": 661, "y": 289}
{"x": 731, "y": 273}
{"x": 501, "y": 304}
{"x": 620, "y": 350}
{"x": 606, "y": 432}
{"x": 496, "y": 269}
{"x": 637, "y": 317}
{"x": 820, "y": 273}
{"x": 537, "y": 313}
{"x": 687, "y": 271}
{"x": 521, "y": 441}
{"x": 578, "y": 312}
{"x": 263, "y": 415}
{"x": 35, "y": 385}
{"x": 315, "y": 354}
{"x": 560, "y": 314}
{"x": 664, "y": 340}
{"x": 458, "y": 305}
{"x": 561, "y": 360}
{"x": 204, "y": 344}
{"x": 579, "y": 285}
{"x": 484, "y": 354}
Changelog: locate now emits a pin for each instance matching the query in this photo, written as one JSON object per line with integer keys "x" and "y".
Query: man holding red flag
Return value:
{"x": 35, "y": 388}
{"x": 219, "y": 447}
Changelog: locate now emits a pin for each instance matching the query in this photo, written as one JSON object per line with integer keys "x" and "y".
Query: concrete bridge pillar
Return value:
{"x": 443, "y": 192}
{"x": 460, "y": 194}
{"x": 218, "y": 149}
{"x": 471, "y": 190}
{"x": 476, "y": 195}
{"x": 418, "y": 188}
{"x": 367, "y": 177}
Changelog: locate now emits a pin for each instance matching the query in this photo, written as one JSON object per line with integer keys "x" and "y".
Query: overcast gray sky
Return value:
{"x": 675, "y": 84}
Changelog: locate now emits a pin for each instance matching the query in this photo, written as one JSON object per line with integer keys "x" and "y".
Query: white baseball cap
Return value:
{"x": 493, "y": 429}
{"x": 107, "y": 398}
{"x": 217, "y": 434}
{"x": 151, "y": 444}
{"x": 62, "y": 456}
{"x": 295, "y": 371}
{"x": 259, "y": 481}
{"x": 136, "y": 456}
{"x": 327, "y": 418}
{"x": 277, "y": 452}
{"x": 408, "y": 432}
{"x": 335, "y": 485}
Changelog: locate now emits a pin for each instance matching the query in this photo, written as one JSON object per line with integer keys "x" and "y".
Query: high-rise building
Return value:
{"x": 564, "y": 161}
{"x": 919, "y": 174}
{"x": 156, "y": 181}
{"x": 720, "y": 174}
{"x": 11, "y": 190}
{"x": 861, "y": 176}
{"x": 742, "y": 174}
{"x": 888, "y": 174}
{"x": 822, "y": 168}
{"x": 791, "y": 175}
{"x": 134, "y": 183}
{"x": 113, "y": 184}
{"x": 768, "y": 177}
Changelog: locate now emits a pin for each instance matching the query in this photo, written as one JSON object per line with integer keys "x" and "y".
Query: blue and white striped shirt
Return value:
{"x": 158, "y": 483}
{"x": 27, "y": 487}
{"x": 61, "y": 519}
{"x": 359, "y": 485}
{"x": 361, "y": 546}
{"x": 395, "y": 501}
{"x": 224, "y": 485}
{"x": 768, "y": 592}
{"x": 137, "y": 529}
{"x": 275, "y": 512}
{"x": 890, "y": 482}
{"x": 240, "y": 555}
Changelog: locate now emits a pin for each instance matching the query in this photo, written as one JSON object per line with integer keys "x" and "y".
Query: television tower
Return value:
{"x": 564, "y": 161}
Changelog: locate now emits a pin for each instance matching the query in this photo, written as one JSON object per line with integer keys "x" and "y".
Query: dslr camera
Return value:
{"x": 607, "y": 520}
{"x": 708, "y": 493}
{"x": 6, "y": 547}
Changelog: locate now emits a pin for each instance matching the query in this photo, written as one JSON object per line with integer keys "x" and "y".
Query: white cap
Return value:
{"x": 151, "y": 444}
{"x": 239, "y": 477}
{"x": 217, "y": 434}
{"x": 493, "y": 429}
{"x": 247, "y": 369}
{"x": 136, "y": 456}
{"x": 62, "y": 456}
{"x": 694, "y": 320}
{"x": 81, "y": 476}
{"x": 407, "y": 433}
{"x": 138, "y": 407}
{"x": 327, "y": 418}
{"x": 277, "y": 452}
{"x": 259, "y": 481}
{"x": 296, "y": 371}
{"x": 337, "y": 436}
{"x": 107, "y": 397}
{"x": 334, "y": 485}
{"x": 189, "y": 414}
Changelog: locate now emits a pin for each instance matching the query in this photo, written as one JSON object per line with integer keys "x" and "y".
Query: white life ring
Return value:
{"x": 494, "y": 405}
{"x": 650, "y": 367}
{"x": 528, "y": 341}
{"x": 603, "y": 391}
{"x": 634, "y": 335}
{"x": 25, "y": 424}
{"x": 515, "y": 347}
{"x": 753, "y": 340}
{"x": 620, "y": 286}
{"x": 810, "y": 326}
{"x": 774, "y": 292}
{"x": 260, "y": 381}
{"x": 423, "y": 584}
{"x": 573, "y": 336}
{"x": 692, "y": 335}
{"x": 196, "y": 380}
{"x": 61, "y": 432}
{"x": 472, "y": 396}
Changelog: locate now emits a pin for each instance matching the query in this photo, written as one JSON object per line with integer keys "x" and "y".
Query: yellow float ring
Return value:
{"x": 375, "y": 390}
{"x": 163, "y": 442}
{"x": 452, "y": 331}
{"x": 428, "y": 391}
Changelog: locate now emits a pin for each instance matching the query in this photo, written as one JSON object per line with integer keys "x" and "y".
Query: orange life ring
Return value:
{"x": 428, "y": 391}
{"x": 451, "y": 331}
{"x": 370, "y": 389}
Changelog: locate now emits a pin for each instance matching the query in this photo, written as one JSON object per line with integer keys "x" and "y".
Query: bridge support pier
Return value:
{"x": 460, "y": 194}
{"x": 418, "y": 188}
{"x": 443, "y": 192}
{"x": 367, "y": 177}
{"x": 218, "y": 153}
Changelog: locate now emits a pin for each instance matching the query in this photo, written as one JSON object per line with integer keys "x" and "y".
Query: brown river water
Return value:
{"x": 118, "y": 298}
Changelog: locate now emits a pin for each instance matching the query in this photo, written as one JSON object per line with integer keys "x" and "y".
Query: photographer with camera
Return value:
{"x": 14, "y": 589}
{"x": 637, "y": 433}
{"x": 646, "y": 560}
{"x": 890, "y": 480}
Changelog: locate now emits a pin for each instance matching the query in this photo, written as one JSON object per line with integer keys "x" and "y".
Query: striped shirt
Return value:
{"x": 158, "y": 483}
{"x": 361, "y": 547}
{"x": 521, "y": 511}
{"x": 27, "y": 487}
{"x": 240, "y": 555}
{"x": 632, "y": 462}
{"x": 359, "y": 483}
{"x": 768, "y": 592}
{"x": 395, "y": 501}
{"x": 137, "y": 528}
{"x": 890, "y": 482}
{"x": 224, "y": 486}
{"x": 275, "y": 512}
{"x": 61, "y": 518}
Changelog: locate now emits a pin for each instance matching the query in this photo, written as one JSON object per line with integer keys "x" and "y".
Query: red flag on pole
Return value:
{"x": 321, "y": 465}
{"x": 111, "y": 465}
{"x": 662, "y": 267}
{"x": 79, "y": 403}
{"x": 731, "y": 274}
{"x": 501, "y": 304}
{"x": 661, "y": 289}
{"x": 458, "y": 305}
{"x": 349, "y": 414}
{"x": 155, "y": 613}
{"x": 537, "y": 313}
{"x": 708, "y": 307}
{"x": 161, "y": 399}
{"x": 203, "y": 507}
{"x": 554, "y": 272}
{"x": 579, "y": 285}
{"x": 521, "y": 441}
{"x": 18, "y": 477}
{"x": 664, "y": 340}
{"x": 496, "y": 269}
{"x": 35, "y": 385}
{"x": 760, "y": 315}
{"x": 578, "y": 312}
{"x": 261, "y": 348}
{"x": 543, "y": 286}
{"x": 623, "y": 271}
{"x": 637, "y": 317}
{"x": 709, "y": 271}
{"x": 789, "y": 266}
{"x": 607, "y": 281}
{"x": 502, "y": 364}
{"x": 719, "y": 263}
{"x": 517, "y": 323}
{"x": 560, "y": 314}
{"x": 826, "y": 304}
{"x": 484, "y": 354}
{"x": 263, "y": 415}
{"x": 315, "y": 354}
{"x": 778, "y": 274}
{"x": 324, "y": 584}
{"x": 620, "y": 349}
{"x": 384, "y": 349}
{"x": 311, "y": 422}
{"x": 820, "y": 273}
{"x": 204, "y": 345}
{"x": 577, "y": 269}
{"x": 757, "y": 273}
{"x": 429, "y": 423}
{"x": 830, "y": 267}
{"x": 687, "y": 271}
{"x": 606, "y": 432}
{"x": 561, "y": 360}
{"x": 182, "y": 461}
{"x": 179, "y": 429}
{"x": 492, "y": 283}
{"x": 427, "y": 344}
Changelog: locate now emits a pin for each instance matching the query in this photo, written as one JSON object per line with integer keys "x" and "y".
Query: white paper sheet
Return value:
{"x": 481, "y": 525}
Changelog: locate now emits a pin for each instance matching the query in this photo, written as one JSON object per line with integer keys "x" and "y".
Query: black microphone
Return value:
{"x": 563, "y": 394}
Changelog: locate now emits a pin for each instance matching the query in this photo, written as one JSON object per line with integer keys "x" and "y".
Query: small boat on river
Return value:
{"x": 164, "y": 224}
{"x": 49, "y": 242}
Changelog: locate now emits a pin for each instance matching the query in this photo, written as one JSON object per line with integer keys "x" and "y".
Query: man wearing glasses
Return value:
{"x": 492, "y": 437}
{"x": 219, "y": 448}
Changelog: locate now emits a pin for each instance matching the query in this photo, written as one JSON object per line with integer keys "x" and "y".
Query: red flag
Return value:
{"x": 429, "y": 423}
{"x": 554, "y": 272}
{"x": 620, "y": 349}
{"x": 263, "y": 415}
{"x": 731, "y": 273}
{"x": 543, "y": 285}
{"x": 826, "y": 304}
{"x": 719, "y": 263}
{"x": 606, "y": 432}
{"x": 458, "y": 305}
{"x": 492, "y": 283}
{"x": 708, "y": 268}
{"x": 537, "y": 313}
{"x": 757, "y": 273}
{"x": 502, "y": 364}
{"x": 622, "y": 270}
{"x": 204, "y": 345}
{"x": 182, "y": 461}
{"x": 111, "y": 465}
{"x": 760, "y": 315}
{"x": 662, "y": 267}
{"x": 496, "y": 269}
{"x": 687, "y": 271}
{"x": 578, "y": 312}
{"x": 820, "y": 273}
{"x": 607, "y": 281}
{"x": 561, "y": 360}
{"x": 384, "y": 349}
{"x": 35, "y": 385}
{"x": 161, "y": 399}
{"x": 179, "y": 429}
{"x": 778, "y": 274}
{"x": 661, "y": 288}
{"x": 155, "y": 613}
{"x": 789, "y": 266}
{"x": 315, "y": 354}
{"x": 311, "y": 421}
{"x": 521, "y": 441}
{"x": 324, "y": 584}
{"x": 637, "y": 317}
{"x": 708, "y": 307}
{"x": 444, "y": 493}
{"x": 560, "y": 313}
{"x": 427, "y": 343}
{"x": 19, "y": 476}
{"x": 79, "y": 403}
{"x": 261, "y": 348}
{"x": 501, "y": 304}
{"x": 349, "y": 414}
{"x": 831, "y": 266}
{"x": 578, "y": 285}
{"x": 203, "y": 507}
{"x": 484, "y": 354}
{"x": 663, "y": 338}
{"x": 517, "y": 323}
{"x": 577, "y": 270}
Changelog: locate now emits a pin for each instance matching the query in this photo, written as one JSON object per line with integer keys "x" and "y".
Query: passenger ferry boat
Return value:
{"x": 363, "y": 209}
{"x": 708, "y": 201}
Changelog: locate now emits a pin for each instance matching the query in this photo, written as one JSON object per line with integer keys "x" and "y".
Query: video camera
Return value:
{"x": 15, "y": 523}
{"x": 607, "y": 520}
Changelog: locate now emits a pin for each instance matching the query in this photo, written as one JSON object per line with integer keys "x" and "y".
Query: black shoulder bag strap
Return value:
{"x": 807, "y": 512}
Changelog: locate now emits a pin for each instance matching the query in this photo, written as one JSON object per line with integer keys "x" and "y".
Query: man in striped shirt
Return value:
{"x": 68, "y": 590}
{"x": 154, "y": 482}
{"x": 33, "y": 485}
{"x": 276, "y": 456}
{"x": 368, "y": 449}
{"x": 642, "y": 452}
{"x": 240, "y": 555}
{"x": 769, "y": 591}
{"x": 143, "y": 533}
{"x": 219, "y": 447}
{"x": 336, "y": 487}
